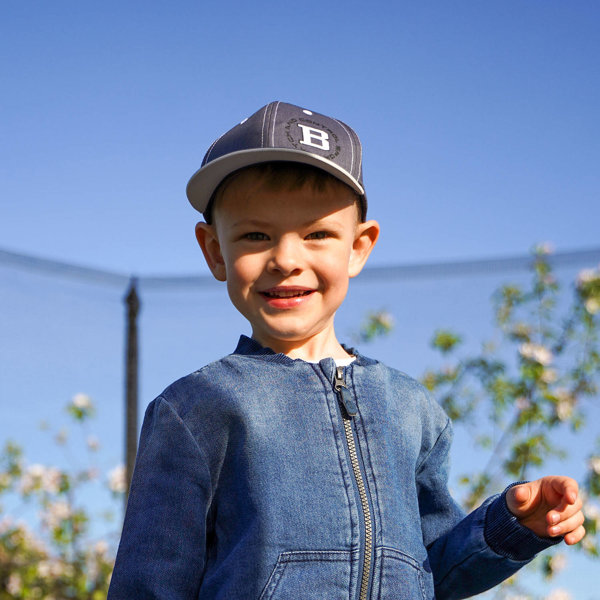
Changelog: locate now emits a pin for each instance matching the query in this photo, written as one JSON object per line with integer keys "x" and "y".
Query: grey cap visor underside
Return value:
{"x": 205, "y": 181}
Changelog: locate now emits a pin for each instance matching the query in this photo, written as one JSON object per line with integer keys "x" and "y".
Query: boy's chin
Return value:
{"x": 279, "y": 340}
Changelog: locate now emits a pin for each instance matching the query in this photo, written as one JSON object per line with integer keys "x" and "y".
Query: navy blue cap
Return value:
{"x": 281, "y": 132}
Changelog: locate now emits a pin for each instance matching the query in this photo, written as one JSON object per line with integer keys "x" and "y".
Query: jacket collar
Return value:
{"x": 249, "y": 347}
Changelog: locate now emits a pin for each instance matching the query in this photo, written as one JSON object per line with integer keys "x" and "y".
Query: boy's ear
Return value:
{"x": 209, "y": 242}
{"x": 364, "y": 240}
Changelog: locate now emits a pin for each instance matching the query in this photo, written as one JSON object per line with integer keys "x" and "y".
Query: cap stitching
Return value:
{"x": 359, "y": 146}
{"x": 262, "y": 129}
{"x": 212, "y": 146}
{"x": 351, "y": 145}
{"x": 274, "y": 120}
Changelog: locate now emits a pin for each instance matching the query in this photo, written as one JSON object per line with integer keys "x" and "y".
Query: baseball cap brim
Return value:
{"x": 205, "y": 181}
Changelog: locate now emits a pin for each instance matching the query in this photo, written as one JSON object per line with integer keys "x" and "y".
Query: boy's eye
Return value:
{"x": 256, "y": 236}
{"x": 318, "y": 235}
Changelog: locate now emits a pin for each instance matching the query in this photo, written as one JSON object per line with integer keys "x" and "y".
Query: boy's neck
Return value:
{"x": 312, "y": 350}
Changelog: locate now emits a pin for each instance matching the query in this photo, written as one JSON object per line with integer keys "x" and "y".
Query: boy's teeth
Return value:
{"x": 285, "y": 294}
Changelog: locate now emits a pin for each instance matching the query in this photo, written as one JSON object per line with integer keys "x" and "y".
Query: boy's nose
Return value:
{"x": 285, "y": 257}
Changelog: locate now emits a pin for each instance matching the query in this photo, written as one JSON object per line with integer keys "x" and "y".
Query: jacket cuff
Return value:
{"x": 507, "y": 537}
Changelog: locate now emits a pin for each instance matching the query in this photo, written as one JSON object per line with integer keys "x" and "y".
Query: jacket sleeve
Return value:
{"x": 468, "y": 554}
{"x": 162, "y": 550}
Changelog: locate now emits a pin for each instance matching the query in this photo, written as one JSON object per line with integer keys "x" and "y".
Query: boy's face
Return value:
{"x": 287, "y": 256}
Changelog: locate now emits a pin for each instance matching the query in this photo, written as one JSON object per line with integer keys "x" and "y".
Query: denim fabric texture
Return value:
{"x": 244, "y": 489}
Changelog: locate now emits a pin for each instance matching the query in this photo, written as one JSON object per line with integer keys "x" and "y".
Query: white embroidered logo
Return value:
{"x": 314, "y": 137}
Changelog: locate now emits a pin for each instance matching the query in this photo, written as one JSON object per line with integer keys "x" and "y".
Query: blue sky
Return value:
{"x": 479, "y": 120}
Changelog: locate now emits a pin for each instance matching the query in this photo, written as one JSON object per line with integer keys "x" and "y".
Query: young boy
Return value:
{"x": 296, "y": 468}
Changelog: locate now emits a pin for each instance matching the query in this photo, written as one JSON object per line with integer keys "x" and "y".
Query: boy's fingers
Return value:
{"x": 518, "y": 498}
{"x": 568, "y": 506}
{"x": 522, "y": 494}
{"x": 560, "y": 495}
{"x": 567, "y": 488}
{"x": 562, "y": 513}
{"x": 567, "y": 525}
{"x": 575, "y": 536}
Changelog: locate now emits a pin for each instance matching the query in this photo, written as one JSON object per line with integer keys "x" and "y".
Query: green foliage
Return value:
{"x": 532, "y": 384}
{"x": 445, "y": 340}
{"x": 377, "y": 324}
{"x": 56, "y": 558}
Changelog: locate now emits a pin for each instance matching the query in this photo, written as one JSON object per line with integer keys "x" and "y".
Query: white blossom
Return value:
{"x": 44, "y": 570}
{"x": 536, "y": 352}
{"x": 549, "y": 375}
{"x": 592, "y": 305}
{"x": 36, "y": 471}
{"x": 51, "y": 480}
{"x": 116, "y": 480}
{"x": 61, "y": 510}
{"x": 31, "y": 479}
{"x": 82, "y": 401}
{"x": 594, "y": 463}
{"x": 385, "y": 319}
{"x": 14, "y": 585}
{"x": 564, "y": 408}
{"x": 592, "y": 512}
{"x": 51, "y": 569}
{"x": 55, "y": 513}
{"x": 588, "y": 544}
{"x": 557, "y": 562}
{"x": 559, "y": 594}
{"x": 39, "y": 477}
{"x": 587, "y": 275}
{"x": 101, "y": 548}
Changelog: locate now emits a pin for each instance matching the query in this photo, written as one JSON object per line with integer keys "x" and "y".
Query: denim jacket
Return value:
{"x": 262, "y": 477}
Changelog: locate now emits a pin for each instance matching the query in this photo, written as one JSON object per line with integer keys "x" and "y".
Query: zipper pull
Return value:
{"x": 344, "y": 394}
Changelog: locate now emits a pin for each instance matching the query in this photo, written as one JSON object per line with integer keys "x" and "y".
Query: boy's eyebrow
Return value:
{"x": 325, "y": 220}
{"x": 252, "y": 222}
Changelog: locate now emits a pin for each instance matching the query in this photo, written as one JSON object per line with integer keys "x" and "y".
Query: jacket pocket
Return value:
{"x": 310, "y": 576}
{"x": 398, "y": 576}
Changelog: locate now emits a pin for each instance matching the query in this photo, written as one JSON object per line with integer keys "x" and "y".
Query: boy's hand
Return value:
{"x": 550, "y": 507}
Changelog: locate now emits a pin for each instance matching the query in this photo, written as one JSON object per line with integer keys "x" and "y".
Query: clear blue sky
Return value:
{"x": 480, "y": 119}
{"x": 480, "y": 124}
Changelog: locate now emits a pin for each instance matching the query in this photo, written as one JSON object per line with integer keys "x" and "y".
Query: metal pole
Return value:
{"x": 131, "y": 383}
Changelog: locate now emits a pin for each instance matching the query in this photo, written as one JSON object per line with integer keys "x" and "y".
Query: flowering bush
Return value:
{"x": 531, "y": 384}
{"x": 57, "y": 558}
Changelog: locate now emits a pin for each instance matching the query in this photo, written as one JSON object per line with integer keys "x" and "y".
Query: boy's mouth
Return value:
{"x": 286, "y": 297}
{"x": 286, "y": 292}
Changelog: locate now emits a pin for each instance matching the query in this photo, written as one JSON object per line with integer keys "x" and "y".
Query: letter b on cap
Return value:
{"x": 314, "y": 137}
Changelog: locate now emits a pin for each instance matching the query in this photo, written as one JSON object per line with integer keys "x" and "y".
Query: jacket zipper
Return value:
{"x": 350, "y": 409}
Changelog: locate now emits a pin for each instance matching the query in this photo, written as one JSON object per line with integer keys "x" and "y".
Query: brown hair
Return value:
{"x": 282, "y": 175}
